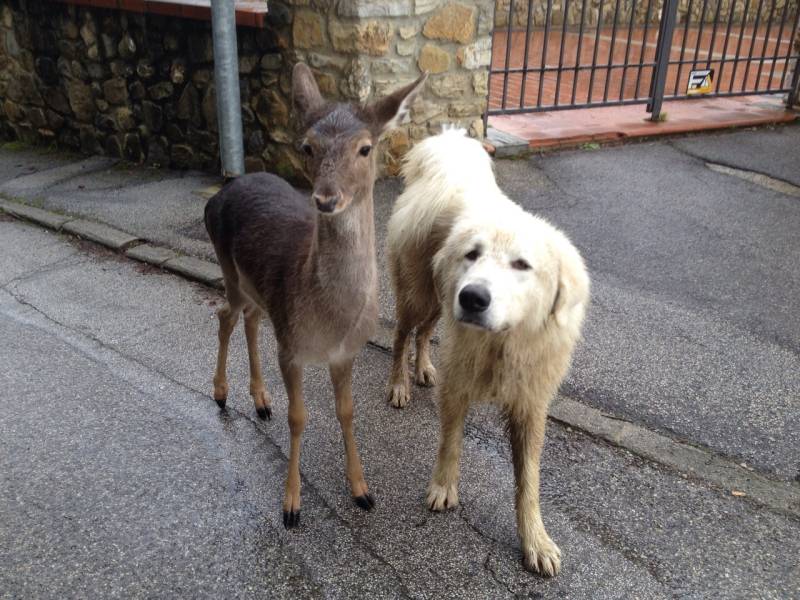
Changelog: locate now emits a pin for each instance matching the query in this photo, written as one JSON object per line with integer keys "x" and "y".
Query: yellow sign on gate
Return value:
{"x": 700, "y": 82}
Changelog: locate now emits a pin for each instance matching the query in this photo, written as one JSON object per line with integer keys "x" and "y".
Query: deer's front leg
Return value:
{"x": 342, "y": 377}
{"x": 443, "y": 488}
{"x": 527, "y": 437}
{"x": 293, "y": 380}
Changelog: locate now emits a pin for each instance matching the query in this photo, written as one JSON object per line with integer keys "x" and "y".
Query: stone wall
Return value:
{"x": 133, "y": 85}
{"x": 592, "y": 11}
{"x": 362, "y": 49}
{"x": 141, "y": 86}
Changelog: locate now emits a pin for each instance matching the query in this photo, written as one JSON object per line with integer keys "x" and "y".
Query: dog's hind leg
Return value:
{"x": 342, "y": 378}
{"x": 425, "y": 373}
{"x": 399, "y": 385}
{"x": 443, "y": 488}
{"x": 527, "y": 437}
{"x": 252, "y": 319}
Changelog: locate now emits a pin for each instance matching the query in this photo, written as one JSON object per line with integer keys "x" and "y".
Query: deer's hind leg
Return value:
{"x": 342, "y": 378}
{"x": 252, "y": 319}
{"x": 228, "y": 316}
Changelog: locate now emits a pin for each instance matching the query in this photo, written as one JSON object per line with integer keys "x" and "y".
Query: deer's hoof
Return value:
{"x": 365, "y": 501}
{"x": 221, "y": 402}
{"x": 291, "y": 519}
{"x": 264, "y": 413}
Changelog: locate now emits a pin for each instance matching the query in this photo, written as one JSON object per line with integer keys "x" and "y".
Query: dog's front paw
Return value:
{"x": 425, "y": 375}
{"x": 442, "y": 497}
{"x": 398, "y": 395}
{"x": 542, "y": 556}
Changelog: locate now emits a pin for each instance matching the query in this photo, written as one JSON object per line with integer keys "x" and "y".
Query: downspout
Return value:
{"x": 226, "y": 78}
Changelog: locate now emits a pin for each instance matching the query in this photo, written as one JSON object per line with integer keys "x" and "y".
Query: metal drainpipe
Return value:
{"x": 226, "y": 78}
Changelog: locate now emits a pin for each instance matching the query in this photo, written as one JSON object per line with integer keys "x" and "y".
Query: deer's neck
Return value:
{"x": 344, "y": 248}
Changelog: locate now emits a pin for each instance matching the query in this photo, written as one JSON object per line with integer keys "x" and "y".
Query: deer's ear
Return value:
{"x": 387, "y": 113}
{"x": 305, "y": 92}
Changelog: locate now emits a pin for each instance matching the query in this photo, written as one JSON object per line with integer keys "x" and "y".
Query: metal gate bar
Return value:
{"x": 663, "y": 51}
{"x": 523, "y": 79}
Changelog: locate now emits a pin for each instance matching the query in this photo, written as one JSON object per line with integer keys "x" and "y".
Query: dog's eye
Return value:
{"x": 364, "y": 150}
{"x": 307, "y": 149}
{"x": 520, "y": 265}
{"x": 472, "y": 254}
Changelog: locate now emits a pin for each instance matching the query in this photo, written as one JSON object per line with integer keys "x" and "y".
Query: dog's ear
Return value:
{"x": 572, "y": 291}
{"x": 305, "y": 92}
{"x": 387, "y": 113}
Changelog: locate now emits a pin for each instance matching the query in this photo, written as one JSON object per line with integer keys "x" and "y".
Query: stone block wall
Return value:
{"x": 141, "y": 86}
{"x": 360, "y": 50}
{"x": 132, "y": 85}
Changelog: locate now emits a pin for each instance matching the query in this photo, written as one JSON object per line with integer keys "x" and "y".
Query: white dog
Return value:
{"x": 513, "y": 291}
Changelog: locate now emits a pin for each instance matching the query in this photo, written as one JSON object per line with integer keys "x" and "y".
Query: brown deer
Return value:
{"x": 308, "y": 262}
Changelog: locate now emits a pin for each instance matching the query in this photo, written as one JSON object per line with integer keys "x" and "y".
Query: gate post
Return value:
{"x": 663, "y": 49}
{"x": 794, "y": 90}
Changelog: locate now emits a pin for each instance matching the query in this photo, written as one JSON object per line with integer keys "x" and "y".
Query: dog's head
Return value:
{"x": 499, "y": 272}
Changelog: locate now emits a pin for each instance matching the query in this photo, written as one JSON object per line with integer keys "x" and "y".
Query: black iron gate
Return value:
{"x": 561, "y": 54}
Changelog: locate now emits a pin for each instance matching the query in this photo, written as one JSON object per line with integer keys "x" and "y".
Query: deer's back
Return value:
{"x": 262, "y": 228}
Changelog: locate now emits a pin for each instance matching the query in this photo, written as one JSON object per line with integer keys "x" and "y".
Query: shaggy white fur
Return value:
{"x": 513, "y": 292}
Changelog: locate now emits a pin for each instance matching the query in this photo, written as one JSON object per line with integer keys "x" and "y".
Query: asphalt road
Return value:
{"x": 694, "y": 325}
{"x": 119, "y": 477}
{"x": 693, "y": 330}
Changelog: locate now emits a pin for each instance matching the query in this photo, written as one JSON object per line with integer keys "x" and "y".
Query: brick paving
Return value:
{"x": 632, "y": 82}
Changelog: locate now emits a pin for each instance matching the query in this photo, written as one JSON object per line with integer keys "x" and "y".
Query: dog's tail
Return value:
{"x": 450, "y": 157}
{"x": 441, "y": 173}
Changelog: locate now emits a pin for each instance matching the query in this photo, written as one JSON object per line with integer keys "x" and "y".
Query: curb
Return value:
{"x": 738, "y": 481}
{"x": 37, "y": 215}
{"x": 506, "y": 145}
{"x": 202, "y": 271}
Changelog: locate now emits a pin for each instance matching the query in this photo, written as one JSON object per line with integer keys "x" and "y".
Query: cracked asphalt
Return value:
{"x": 119, "y": 477}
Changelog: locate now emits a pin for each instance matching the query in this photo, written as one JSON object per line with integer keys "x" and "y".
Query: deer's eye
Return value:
{"x": 472, "y": 254}
{"x": 307, "y": 149}
{"x": 520, "y": 265}
{"x": 364, "y": 150}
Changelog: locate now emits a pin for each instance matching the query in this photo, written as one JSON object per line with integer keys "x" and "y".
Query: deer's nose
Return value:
{"x": 326, "y": 202}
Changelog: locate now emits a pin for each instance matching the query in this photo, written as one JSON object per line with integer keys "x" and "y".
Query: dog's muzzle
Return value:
{"x": 474, "y": 301}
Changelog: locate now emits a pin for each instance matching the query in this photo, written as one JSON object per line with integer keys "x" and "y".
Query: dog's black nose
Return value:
{"x": 326, "y": 204}
{"x": 474, "y": 298}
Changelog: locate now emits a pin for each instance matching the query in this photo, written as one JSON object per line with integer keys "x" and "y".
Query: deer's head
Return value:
{"x": 337, "y": 140}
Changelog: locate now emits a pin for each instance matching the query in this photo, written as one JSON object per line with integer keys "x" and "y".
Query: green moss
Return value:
{"x": 284, "y": 170}
{"x": 15, "y": 146}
